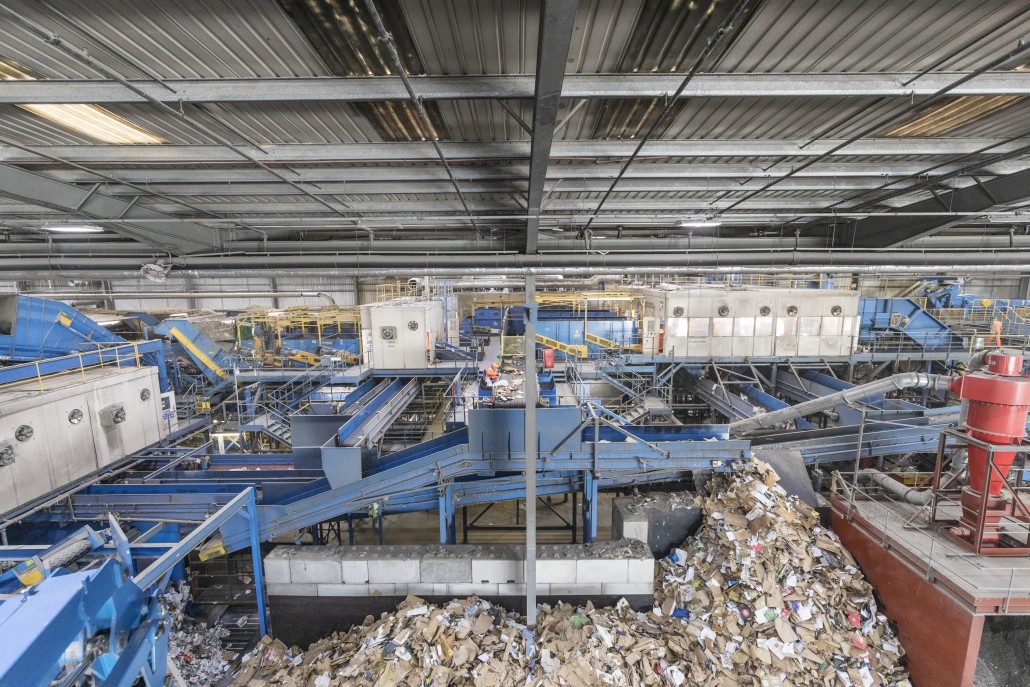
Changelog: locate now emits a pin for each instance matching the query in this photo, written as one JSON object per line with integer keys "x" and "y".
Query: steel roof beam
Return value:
{"x": 506, "y": 86}
{"x": 359, "y": 188}
{"x": 244, "y": 210}
{"x": 555, "y": 37}
{"x": 92, "y": 205}
{"x": 832, "y": 172}
{"x": 494, "y": 150}
{"x": 970, "y": 202}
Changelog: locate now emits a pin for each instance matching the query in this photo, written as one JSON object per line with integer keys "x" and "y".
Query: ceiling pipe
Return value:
{"x": 72, "y": 272}
{"x": 442, "y": 246}
{"x": 83, "y": 296}
{"x": 587, "y": 263}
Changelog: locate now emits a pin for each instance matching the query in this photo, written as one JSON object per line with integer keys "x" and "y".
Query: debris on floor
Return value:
{"x": 659, "y": 501}
{"x": 760, "y": 597}
{"x": 195, "y": 649}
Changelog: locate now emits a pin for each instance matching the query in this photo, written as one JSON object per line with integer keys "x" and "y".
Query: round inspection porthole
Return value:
{"x": 75, "y": 417}
{"x": 724, "y": 310}
{"x": 836, "y": 310}
{"x": 24, "y": 433}
{"x": 677, "y": 311}
{"x": 764, "y": 311}
{"x": 792, "y": 310}
{"x": 144, "y": 395}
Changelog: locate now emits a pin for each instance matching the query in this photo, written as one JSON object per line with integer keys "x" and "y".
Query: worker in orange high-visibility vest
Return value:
{"x": 492, "y": 374}
{"x": 994, "y": 340}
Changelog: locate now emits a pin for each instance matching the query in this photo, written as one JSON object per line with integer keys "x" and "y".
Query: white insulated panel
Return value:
{"x": 403, "y": 333}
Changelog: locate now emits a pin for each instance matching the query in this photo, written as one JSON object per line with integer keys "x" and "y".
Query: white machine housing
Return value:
{"x": 724, "y": 322}
{"x": 81, "y": 422}
{"x": 403, "y": 333}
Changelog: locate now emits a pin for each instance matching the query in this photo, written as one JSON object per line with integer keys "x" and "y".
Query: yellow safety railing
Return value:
{"x": 127, "y": 354}
{"x": 612, "y": 345}
{"x": 577, "y": 350}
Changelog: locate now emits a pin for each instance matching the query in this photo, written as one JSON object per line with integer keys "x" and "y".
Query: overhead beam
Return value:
{"x": 364, "y": 188}
{"x": 859, "y": 172}
{"x": 421, "y": 207}
{"x": 507, "y": 86}
{"x": 555, "y": 36}
{"x": 968, "y": 202}
{"x": 92, "y": 205}
{"x": 494, "y": 150}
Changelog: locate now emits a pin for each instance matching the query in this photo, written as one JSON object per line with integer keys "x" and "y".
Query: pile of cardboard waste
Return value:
{"x": 761, "y": 597}
{"x": 763, "y": 590}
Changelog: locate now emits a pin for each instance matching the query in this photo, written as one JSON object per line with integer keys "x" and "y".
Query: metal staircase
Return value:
{"x": 284, "y": 400}
{"x": 634, "y": 382}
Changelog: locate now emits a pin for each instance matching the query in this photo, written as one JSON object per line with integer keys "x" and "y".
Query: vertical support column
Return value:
{"x": 530, "y": 389}
{"x": 448, "y": 533}
{"x": 255, "y": 553}
{"x": 589, "y": 507}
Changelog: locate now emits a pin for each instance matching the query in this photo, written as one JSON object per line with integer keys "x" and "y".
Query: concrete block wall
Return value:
{"x": 662, "y": 521}
{"x": 618, "y": 568}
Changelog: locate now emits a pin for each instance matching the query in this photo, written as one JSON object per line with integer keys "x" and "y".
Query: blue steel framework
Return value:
{"x": 602, "y": 451}
{"x": 66, "y": 609}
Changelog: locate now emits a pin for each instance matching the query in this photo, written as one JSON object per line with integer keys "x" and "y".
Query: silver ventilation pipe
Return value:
{"x": 568, "y": 263}
{"x": 905, "y": 380}
{"x": 158, "y": 295}
{"x": 911, "y": 495}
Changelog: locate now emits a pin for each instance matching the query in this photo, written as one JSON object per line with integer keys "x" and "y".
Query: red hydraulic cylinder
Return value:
{"x": 996, "y": 404}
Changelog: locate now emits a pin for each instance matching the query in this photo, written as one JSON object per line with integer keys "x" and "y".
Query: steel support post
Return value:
{"x": 448, "y": 533}
{"x": 255, "y": 553}
{"x": 589, "y": 507}
{"x": 530, "y": 389}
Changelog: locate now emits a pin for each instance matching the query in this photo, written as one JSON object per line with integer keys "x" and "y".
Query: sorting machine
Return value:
{"x": 342, "y": 455}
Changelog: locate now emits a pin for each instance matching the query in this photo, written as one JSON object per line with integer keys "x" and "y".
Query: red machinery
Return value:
{"x": 995, "y": 400}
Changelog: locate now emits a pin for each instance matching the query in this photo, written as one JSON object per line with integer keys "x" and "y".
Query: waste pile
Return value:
{"x": 195, "y": 649}
{"x": 765, "y": 591}
{"x": 760, "y": 597}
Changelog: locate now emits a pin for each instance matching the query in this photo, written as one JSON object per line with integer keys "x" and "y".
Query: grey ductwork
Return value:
{"x": 84, "y": 297}
{"x": 911, "y": 495}
{"x": 907, "y": 494}
{"x": 905, "y": 380}
{"x": 571, "y": 263}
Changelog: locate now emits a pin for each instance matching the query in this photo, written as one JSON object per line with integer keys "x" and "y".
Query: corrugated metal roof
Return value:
{"x": 260, "y": 39}
{"x": 181, "y": 39}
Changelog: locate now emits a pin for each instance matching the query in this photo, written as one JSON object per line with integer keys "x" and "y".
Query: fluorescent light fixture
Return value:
{"x": 95, "y": 122}
{"x": 700, "y": 223}
{"x": 90, "y": 120}
{"x": 76, "y": 229}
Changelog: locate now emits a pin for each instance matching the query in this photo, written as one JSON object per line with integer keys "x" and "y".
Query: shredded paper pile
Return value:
{"x": 195, "y": 650}
{"x": 761, "y": 597}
